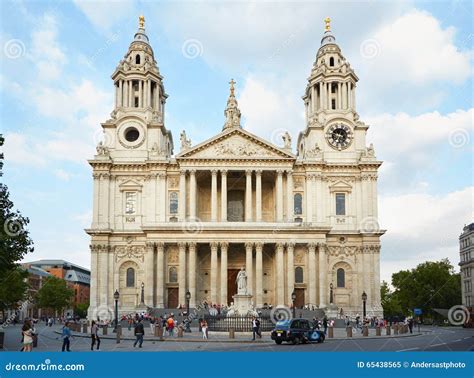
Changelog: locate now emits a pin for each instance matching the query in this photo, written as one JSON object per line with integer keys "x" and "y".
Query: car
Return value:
{"x": 297, "y": 331}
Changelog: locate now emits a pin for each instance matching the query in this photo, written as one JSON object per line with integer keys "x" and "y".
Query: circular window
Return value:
{"x": 131, "y": 134}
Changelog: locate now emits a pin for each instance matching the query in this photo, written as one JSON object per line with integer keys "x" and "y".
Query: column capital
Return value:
{"x": 259, "y": 172}
{"x": 290, "y": 245}
{"x": 182, "y": 245}
{"x": 161, "y": 175}
{"x": 289, "y": 172}
{"x": 150, "y": 245}
{"x": 279, "y": 172}
{"x": 224, "y": 245}
{"x": 214, "y": 172}
{"x": 259, "y": 246}
{"x": 192, "y": 172}
{"x": 249, "y": 245}
{"x": 182, "y": 172}
{"x": 322, "y": 247}
{"x": 214, "y": 245}
{"x": 279, "y": 246}
{"x": 192, "y": 245}
{"x": 311, "y": 247}
{"x": 248, "y": 172}
{"x": 224, "y": 172}
{"x": 160, "y": 246}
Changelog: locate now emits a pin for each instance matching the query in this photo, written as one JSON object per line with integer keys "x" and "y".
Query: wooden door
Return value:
{"x": 173, "y": 298}
{"x": 231, "y": 284}
{"x": 299, "y": 301}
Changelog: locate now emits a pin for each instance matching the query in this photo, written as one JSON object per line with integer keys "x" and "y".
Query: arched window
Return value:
{"x": 298, "y": 204}
{"x": 137, "y": 59}
{"x": 341, "y": 278}
{"x": 173, "y": 275}
{"x": 299, "y": 274}
{"x": 331, "y": 61}
{"x": 130, "y": 277}
{"x": 173, "y": 203}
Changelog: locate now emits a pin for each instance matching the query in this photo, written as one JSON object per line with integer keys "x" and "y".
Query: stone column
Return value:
{"x": 120, "y": 100}
{"x": 289, "y": 196}
{"x": 249, "y": 266}
{"x": 214, "y": 272}
{"x": 95, "y": 203}
{"x": 224, "y": 246}
{"x": 157, "y": 97}
{"x": 323, "y": 273}
{"x": 192, "y": 194}
{"x": 321, "y": 95}
{"x": 214, "y": 195}
{"x": 224, "y": 198}
{"x": 182, "y": 273}
{"x": 376, "y": 269}
{"x": 258, "y": 195}
{"x": 192, "y": 274}
{"x": 367, "y": 269}
{"x": 163, "y": 196}
{"x": 319, "y": 198}
{"x": 125, "y": 93}
{"x": 104, "y": 201}
{"x": 259, "y": 274}
{"x": 339, "y": 95}
{"x": 149, "y": 274}
{"x": 312, "y": 273}
{"x": 313, "y": 99}
{"x": 140, "y": 93}
{"x": 182, "y": 195}
{"x": 290, "y": 248}
{"x": 280, "y": 270}
{"x": 279, "y": 196}
{"x": 309, "y": 198}
{"x": 353, "y": 97}
{"x": 248, "y": 196}
{"x": 160, "y": 275}
{"x": 94, "y": 298}
{"x": 148, "y": 103}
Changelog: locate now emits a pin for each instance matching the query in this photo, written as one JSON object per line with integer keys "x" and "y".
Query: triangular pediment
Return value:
{"x": 340, "y": 186}
{"x": 235, "y": 144}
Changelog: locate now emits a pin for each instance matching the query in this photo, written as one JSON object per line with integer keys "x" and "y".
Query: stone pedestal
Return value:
{"x": 331, "y": 311}
{"x": 242, "y": 303}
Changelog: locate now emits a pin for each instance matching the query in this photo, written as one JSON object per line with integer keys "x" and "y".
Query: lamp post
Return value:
{"x": 188, "y": 321}
{"x": 293, "y": 299}
{"x": 364, "y": 301}
{"x": 116, "y": 298}
{"x": 331, "y": 295}
{"x": 142, "y": 296}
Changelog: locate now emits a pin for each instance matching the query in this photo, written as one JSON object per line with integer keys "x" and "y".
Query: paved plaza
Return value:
{"x": 430, "y": 339}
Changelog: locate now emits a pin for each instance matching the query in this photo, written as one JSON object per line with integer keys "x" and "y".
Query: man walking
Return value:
{"x": 139, "y": 332}
{"x": 66, "y": 334}
{"x": 254, "y": 328}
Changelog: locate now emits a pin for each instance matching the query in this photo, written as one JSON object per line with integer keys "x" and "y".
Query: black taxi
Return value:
{"x": 296, "y": 331}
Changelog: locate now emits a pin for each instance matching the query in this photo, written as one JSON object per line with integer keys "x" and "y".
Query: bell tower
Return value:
{"x": 136, "y": 128}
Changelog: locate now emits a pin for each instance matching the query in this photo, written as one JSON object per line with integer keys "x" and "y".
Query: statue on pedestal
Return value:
{"x": 241, "y": 281}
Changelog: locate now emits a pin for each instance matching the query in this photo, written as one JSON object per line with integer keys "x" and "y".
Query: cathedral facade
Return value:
{"x": 302, "y": 221}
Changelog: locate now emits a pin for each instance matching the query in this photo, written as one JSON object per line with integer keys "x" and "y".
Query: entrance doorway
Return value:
{"x": 173, "y": 297}
{"x": 231, "y": 284}
{"x": 299, "y": 301}
{"x": 235, "y": 205}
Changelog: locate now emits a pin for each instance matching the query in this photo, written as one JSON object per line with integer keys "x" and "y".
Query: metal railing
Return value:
{"x": 224, "y": 323}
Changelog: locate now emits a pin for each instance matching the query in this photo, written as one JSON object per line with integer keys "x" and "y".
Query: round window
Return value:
{"x": 131, "y": 134}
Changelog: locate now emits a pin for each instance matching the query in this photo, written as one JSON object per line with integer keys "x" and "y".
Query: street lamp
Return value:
{"x": 364, "y": 300}
{"x": 142, "y": 299}
{"x": 293, "y": 299}
{"x": 331, "y": 295}
{"x": 188, "y": 320}
{"x": 116, "y": 298}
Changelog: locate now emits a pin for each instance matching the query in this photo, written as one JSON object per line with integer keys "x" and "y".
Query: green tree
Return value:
{"x": 391, "y": 306}
{"x": 432, "y": 284}
{"x": 54, "y": 294}
{"x": 15, "y": 241}
{"x": 81, "y": 309}
{"x": 13, "y": 289}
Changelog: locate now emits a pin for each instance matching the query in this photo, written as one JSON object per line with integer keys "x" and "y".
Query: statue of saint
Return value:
{"x": 241, "y": 281}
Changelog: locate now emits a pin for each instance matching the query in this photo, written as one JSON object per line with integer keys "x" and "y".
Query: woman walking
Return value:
{"x": 27, "y": 333}
{"x": 95, "y": 335}
{"x": 66, "y": 335}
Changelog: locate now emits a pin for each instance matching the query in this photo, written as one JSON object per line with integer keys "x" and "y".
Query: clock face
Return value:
{"x": 339, "y": 136}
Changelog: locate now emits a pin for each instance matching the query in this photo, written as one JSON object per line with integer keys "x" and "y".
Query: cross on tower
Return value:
{"x": 232, "y": 82}
{"x": 327, "y": 20}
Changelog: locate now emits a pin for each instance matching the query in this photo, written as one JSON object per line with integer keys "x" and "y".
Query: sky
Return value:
{"x": 414, "y": 61}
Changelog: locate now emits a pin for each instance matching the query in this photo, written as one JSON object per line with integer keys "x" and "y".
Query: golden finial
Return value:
{"x": 327, "y": 20}
{"x": 232, "y": 82}
{"x": 141, "y": 21}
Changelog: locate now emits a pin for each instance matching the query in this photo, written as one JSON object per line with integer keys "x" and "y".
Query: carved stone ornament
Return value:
{"x": 130, "y": 251}
{"x": 238, "y": 148}
{"x": 173, "y": 182}
{"x": 299, "y": 257}
{"x": 342, "y": 250}
{"x": 172, "y": 257}
{"x": 315, "y": 152}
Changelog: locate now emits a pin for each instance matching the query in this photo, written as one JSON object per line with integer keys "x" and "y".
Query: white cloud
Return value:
{"x": 406, "y": 143}
{"x": 422, "y": 227}
{"x": 105, "y": 15}
{"x": 19, "y": 149}
{"x": 62, "y": 174}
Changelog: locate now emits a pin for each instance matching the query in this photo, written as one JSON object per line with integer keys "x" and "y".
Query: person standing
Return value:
{"x": 139, "y": 332}
{"x": 27, "y": 334}
{"x": 170, "y": 325}
{"x": 254, "y": 328}
{"x": 204, "y": 329}
{"x": 325, "y": 325}
{"x": 259, "y": 333}
{"x": 95, "y": 335}
{"x": 66, "y": 335}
